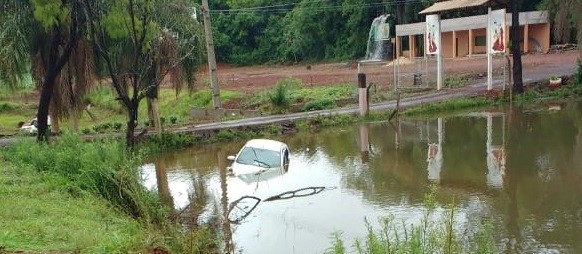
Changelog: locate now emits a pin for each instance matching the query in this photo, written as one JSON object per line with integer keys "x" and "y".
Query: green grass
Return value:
{"x": 298, "y": 93}
{"x": 39, "y": 216}
{"x": 77, "y": 196}
{"x": 450, "y": 105}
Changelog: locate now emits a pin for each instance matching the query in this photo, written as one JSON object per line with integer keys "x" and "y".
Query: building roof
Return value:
{"x": 452, "y": 5}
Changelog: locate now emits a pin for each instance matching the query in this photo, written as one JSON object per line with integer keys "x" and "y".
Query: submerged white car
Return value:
{"x": 260, "y": 156}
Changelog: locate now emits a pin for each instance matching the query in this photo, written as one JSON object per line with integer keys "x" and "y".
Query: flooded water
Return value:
{"x": 522, "y": 169}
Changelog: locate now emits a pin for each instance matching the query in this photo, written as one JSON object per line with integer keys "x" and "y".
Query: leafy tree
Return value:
{"x": 140, "y": 42}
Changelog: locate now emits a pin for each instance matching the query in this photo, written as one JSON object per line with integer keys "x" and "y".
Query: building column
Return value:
{"x": 424, "y": 39}
{"x": 411, "y": 46}
{"x": 471, "y": 42}
{"x": 455, "y": 53}
{"x": 525, "y": 38}
{"x": 398, "y": 51}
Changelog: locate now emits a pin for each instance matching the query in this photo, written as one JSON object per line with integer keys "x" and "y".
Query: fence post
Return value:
{"x": 363, "y": 94}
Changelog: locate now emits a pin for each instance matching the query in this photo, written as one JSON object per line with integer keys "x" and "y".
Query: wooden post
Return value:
{"x": 211, "y": 57}
{"x": 363, "y": 94}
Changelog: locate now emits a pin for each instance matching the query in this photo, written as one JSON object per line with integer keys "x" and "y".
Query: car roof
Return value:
{"x": 267, "y": 144}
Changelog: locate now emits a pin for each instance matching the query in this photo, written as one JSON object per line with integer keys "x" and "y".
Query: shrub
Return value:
{"x": 117, "y": 126}
{"x": 279, "y": 98}
{"x": 173, "y": 119}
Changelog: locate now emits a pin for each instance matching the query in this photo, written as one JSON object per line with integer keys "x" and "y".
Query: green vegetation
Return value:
{"x": 38, "y": 215}
{"x": 450, "y": 105}
{"x": 319, "y": 104}
{"x": 454, "y": 82}
{"x": 78, "y": 196}
{"x": 280, "y": 98}
{"x": 428, "y": 236}
{"x": 292, "y": 91}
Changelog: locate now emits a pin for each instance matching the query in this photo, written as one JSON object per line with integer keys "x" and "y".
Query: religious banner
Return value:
{"x": 497, "y": 31}
{"x": 433, "y": 34}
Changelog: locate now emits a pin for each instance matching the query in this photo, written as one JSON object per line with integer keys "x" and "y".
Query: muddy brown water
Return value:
{"x": 519, "y": 168}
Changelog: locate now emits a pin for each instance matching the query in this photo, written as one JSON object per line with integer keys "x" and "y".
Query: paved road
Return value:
{"x": 468, "y": 91}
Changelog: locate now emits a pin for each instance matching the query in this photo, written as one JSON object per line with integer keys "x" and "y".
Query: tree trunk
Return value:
{"x": 43, "y": 106}
{"x": 515, "y": 49}
{"x": 154, "y": 113}
{"x": 131, "y": 124}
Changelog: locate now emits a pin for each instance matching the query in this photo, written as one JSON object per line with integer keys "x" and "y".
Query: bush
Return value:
{"x": 319, "y": 104}
{"x": 279, "y": 98}
{"x": 173, "y": 119}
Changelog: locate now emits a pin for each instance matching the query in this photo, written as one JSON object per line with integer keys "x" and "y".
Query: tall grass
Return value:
{"x": 104, "y": 169}
{"x": 429, "y": 236}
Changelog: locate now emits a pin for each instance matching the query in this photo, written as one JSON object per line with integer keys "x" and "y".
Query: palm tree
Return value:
{"x": 47, "y": 43}
{"x": 15, "y": 29}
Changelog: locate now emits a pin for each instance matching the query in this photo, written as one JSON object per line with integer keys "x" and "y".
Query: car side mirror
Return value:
{"x": 230, "y": 157}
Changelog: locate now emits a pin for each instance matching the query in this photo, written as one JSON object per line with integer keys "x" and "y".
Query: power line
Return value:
{"x": 292, "y": 6}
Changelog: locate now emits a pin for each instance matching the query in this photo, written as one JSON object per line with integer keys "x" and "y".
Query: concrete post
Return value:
{"x": 363, "y": 94}
{"x": 489, "y": 53}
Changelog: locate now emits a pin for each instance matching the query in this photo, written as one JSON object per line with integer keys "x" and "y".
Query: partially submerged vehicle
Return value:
{"x": 260, "y": 157}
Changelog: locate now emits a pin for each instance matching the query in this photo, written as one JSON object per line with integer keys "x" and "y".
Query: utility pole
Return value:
{"x": 211, "y": 57}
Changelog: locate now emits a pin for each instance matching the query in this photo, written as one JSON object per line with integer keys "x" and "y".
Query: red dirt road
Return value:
{"x": 256, "y": 78}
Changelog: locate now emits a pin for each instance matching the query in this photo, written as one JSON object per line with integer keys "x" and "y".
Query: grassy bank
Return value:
{"x": 73, "y": 196}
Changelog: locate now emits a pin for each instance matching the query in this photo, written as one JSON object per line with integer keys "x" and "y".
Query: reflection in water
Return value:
{"x": 365, "y": 142}
{"x": 532, "y": 197}
{"x": 435, "y": 154}
{"x": 495, "y": 155}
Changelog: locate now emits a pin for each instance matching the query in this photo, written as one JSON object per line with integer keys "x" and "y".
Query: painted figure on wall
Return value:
{"x": 499, "y": 41}
{"x": 432, "y": 34}
{"x": 497, "y": 31}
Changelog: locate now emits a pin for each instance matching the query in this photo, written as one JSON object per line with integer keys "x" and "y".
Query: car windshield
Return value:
{"x": 260, "y": 157}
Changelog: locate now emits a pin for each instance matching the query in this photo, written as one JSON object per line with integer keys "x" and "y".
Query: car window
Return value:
{"x": 259, "y": 157}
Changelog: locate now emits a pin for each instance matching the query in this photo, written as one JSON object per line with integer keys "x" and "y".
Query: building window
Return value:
{"x": 480, "y": 41}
